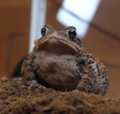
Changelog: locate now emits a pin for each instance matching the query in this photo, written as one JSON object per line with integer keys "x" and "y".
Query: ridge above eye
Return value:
{"x": 46, "y": 30}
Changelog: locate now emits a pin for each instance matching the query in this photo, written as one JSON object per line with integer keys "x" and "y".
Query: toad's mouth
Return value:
{"x": 57, "y": 46}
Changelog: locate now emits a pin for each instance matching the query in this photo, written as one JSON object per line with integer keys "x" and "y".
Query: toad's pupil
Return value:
{"x": 43, "y": 30}
{"x": 73, "y": 33}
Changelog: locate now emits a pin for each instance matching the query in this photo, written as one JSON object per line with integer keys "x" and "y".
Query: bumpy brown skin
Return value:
{"x": 61, "y": 62}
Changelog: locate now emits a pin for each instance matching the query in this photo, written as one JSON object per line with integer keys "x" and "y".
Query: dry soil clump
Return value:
{"x": 19, "y": 99}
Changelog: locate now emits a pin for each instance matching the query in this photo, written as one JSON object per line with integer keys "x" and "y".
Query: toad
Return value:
{"x": 59, "y": 60}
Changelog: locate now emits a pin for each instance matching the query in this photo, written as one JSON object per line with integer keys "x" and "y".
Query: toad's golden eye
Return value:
{"x": 43, "y": 31}
{"x": 72, "y": 34}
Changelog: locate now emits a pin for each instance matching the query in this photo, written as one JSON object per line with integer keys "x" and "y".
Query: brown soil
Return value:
{"x": 18, "y": 99}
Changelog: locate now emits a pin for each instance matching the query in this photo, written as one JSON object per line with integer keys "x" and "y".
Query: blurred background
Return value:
{"x": 97, "y": 23}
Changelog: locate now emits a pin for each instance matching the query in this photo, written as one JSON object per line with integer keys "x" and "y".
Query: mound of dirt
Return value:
{"x": 19, "y": 99}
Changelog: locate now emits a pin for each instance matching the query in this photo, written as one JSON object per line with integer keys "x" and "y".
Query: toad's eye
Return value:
{"x": 72, "y": 34}
{"x": 43, "y": 30}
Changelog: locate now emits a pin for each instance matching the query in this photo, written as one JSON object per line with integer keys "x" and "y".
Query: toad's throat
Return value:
{"x": 58, "y": 47}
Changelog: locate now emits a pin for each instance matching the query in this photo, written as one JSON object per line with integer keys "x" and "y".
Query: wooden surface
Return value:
{"x": 14, "y": 18}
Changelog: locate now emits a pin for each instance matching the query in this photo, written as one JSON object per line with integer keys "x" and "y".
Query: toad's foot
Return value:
{"x": 18, "y": 80}
{"x": 81, "y": 89}
{"x": 33, "y": 84}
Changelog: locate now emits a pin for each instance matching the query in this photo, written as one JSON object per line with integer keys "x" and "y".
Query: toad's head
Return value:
{"x": 59, "y": 42}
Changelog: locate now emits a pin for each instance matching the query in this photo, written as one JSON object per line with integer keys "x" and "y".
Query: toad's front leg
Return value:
{"x": 100, "y": 74}
{"x": 28, "y": 73}
{"x": 86, "y": 83}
